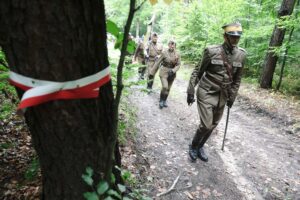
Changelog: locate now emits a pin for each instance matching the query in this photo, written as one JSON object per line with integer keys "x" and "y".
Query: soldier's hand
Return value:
{"x": 190, "y": 99}
{"x": 170, "y": 73}
{"x": 229, "y": 103}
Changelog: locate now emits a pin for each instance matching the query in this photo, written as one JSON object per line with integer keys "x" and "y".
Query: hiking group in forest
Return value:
{"x": 217, "y": 77}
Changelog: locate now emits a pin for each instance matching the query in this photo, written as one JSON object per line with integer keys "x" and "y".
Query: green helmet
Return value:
{"x": 234, "y": 29}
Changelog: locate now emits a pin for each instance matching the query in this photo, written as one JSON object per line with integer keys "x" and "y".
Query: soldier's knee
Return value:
{"x": 151, "y": 76}
{"x": 204, "y": 129}
{"x": 164, "y": 90}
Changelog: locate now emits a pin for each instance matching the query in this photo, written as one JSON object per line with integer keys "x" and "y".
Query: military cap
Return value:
{"x": 154, "y": 34}
{"x": 234, "y": 29}
{"x": 171, "y": 41}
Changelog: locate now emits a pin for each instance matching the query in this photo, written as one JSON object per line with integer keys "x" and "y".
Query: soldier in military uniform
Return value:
{"x": 139, "y": 57}
{"x": 218, "y": 76}
{"x": 153, "y": 52}
{"x": 170, "y": 61}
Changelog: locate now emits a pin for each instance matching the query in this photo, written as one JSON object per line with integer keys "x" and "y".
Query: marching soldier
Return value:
{"x": 170, "y": 61}
{"x": 218, "y": 75}
{"x": 139, "y": 56}
{"x": 153, "y": 52}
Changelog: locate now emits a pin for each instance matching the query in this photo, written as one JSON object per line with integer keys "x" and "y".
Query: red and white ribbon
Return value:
{"x": 40, "y": 91}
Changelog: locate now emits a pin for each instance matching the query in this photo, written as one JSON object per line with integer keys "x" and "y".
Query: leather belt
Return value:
{"x": 216, "y": 81}
{"x": 170, "y": 67}
{"x": 152, "y": 58}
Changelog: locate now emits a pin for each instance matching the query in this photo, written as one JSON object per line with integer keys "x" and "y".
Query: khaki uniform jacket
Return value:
{"x": 153, "y": 50}
{"x": 212, "y": 67}
{"x": 139, "y": 53}
{"x": 168, "y": 60}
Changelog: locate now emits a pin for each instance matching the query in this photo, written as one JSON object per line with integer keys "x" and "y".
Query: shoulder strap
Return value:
{"x": 155, "y": 49}
{"x": 227, "y": 65}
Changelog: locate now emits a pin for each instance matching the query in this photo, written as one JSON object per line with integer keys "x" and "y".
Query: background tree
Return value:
{"x": 277, "y": 38}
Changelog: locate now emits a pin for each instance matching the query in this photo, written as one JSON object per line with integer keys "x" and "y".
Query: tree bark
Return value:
{"x": 286, "y": 9}
{"x": 62, "y": 40}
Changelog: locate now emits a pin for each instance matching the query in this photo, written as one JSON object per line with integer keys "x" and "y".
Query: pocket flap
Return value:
{"x": 237, "y": 64}
{"x": 217, "y": 62}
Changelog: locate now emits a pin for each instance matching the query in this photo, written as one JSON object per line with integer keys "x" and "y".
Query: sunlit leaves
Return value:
{"x": 112, "y": 28}
{"x": 168, "y": 1}
{"x": 131, "y": 46}
{"x": 153, "y": 2}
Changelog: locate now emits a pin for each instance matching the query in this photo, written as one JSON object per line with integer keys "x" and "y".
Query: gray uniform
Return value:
{"x": 216, "y": 86}
{"x": 170, "y": 60}
{"x": 140, "y": 57}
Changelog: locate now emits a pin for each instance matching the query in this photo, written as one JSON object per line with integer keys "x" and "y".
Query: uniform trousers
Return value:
{"x": 210, "y": 116}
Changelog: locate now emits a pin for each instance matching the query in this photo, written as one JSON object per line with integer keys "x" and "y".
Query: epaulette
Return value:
{"x": 213, "y": 46}
{"x": 214, "y": 49}
{"x": 242, "y": 49}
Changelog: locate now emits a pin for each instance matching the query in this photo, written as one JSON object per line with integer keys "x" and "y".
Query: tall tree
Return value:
{"x": 62, "y": 41}
{"x": 277, "y": 37}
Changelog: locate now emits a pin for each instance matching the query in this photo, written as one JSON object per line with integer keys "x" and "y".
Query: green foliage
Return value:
{"x": 7, "y": 145}
{"x": 102, "y": 187}
{"x": 33, "y": 169}
{"x": 87, "y": 177}
{"x": 104, "y": 191}
{"x": 113, "y": 29}
{"x": 91, "y": 196}
{"x": 7, "y": 92}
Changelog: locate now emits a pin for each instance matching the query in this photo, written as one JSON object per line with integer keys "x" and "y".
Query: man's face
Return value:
{"x": 154, "y": 38}
{"x": 234, "y": 40}
{"x": 171, "y": 46}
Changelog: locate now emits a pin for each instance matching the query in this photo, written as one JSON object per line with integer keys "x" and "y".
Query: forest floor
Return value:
{"x": 261, "y": 158}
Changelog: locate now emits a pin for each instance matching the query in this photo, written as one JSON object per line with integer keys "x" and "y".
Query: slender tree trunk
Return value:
{"x": 61, "y": 41}
{"x": 286, "y": 52}
{"x": 284, "y": 60}
{"x": 286, "y": 9}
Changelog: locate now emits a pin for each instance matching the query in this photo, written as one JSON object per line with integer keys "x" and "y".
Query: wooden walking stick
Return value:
{"x": 227, "y": 119}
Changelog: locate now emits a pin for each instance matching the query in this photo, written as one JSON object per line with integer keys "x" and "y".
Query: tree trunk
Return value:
{"x": 61, "y": 41}
{"x": 286, "y": 9}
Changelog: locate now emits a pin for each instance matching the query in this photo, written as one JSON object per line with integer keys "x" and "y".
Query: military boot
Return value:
{"x": 193, "y": 153}
{"x": 149, "y": 85}
{"x": 150, "y": 82}
{"x": 165, "y": 100}
{"x": 161, "y": 104}
{"x": 165, "y": 104}
{"x": 202, "y": 155}
{"x": 141, "y": 76}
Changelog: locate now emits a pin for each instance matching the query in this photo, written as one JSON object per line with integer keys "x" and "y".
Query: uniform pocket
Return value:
{"x": 216, "y": 66}
{"x": 237, "y": 64}
{"x": 217, "y": 62}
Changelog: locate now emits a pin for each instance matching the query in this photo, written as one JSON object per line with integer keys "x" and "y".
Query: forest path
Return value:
{"x": 260, "y": 161}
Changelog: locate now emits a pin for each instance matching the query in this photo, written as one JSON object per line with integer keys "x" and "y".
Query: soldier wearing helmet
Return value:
{"x": 170, "y": 63}
{"x": 218, "y": 77}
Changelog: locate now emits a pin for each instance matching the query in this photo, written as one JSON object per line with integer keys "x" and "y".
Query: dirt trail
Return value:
{"x": 260, "y": 161}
